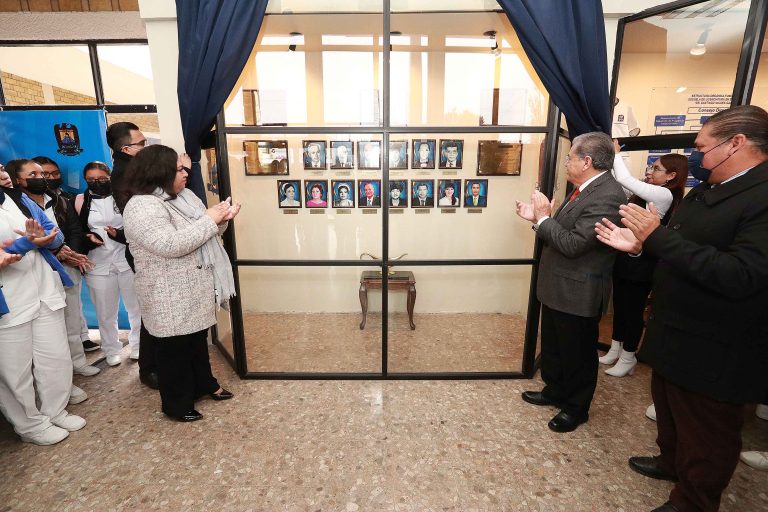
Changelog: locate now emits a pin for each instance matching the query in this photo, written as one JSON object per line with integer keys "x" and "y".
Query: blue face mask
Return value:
{"x": 694, "y": 163}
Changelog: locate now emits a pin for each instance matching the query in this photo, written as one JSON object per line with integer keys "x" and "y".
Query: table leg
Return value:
{"x": 363, "y": 303}
{"x": 411, "y": 303}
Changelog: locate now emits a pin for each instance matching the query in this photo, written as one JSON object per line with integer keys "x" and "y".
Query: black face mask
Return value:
{"x": 37, "y": 186}
{"x": 54, "y": 183}
{"x": 100, "y": 188}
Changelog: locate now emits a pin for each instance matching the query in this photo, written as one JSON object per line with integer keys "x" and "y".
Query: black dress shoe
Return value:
{"x": 667, "y": 507}
{"x": 89, "y": 346}
{"x": 649, "y": 466}
{"x": 221, "y": 395}
{"x": 149, "y": 379}
{"x": 537, "y": 398}
{"x": 192, "y": 415}
{"x": 566, "y": 422}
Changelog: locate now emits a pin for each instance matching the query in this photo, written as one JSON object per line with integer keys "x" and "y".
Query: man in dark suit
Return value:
{"x": 369, "y": 199}
{"x": 707, "y": 336}
{"x": 422, "y": 197}
{"x": 574, "y": 279}
{"x": 473, "y": 196}
{"x": 343, "y": 157}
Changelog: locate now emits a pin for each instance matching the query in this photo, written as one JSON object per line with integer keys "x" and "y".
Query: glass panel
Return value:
{"x": 224, "y": 331}
{"x": 760, "y": 93}
{"x": 467, "y": 319}
{"x": 210, "y": 172}
{"x": 467, "y": 69}
{"x": 126, "y": 74}
{"x": 275, "y": 179}
{"x": 662, "y": 85}
{"x": 307, "y": 319}
{"x": 561, "y": 181}
{"x": 47, "y": 75}
{"x": 147, "y": 123}
{"x": 500, "y": 167}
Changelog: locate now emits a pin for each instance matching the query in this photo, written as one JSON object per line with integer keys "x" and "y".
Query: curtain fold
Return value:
{"x": 565, "y": 42}
{"x": 215, "y": 40}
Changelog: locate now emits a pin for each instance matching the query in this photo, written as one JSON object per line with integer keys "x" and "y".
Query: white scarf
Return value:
{"x": 211, "y": 254}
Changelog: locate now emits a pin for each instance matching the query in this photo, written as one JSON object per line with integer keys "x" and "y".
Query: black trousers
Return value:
{"x": 700, "y": 441}
{"x": 629, "y": 298}
{"x": 147, "y": 351}
{"x": 569, "y": 359}
{"x": 184, "y": 371}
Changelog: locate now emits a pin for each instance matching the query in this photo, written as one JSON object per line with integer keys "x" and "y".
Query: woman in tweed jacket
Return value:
{"x": 182, "y": 273}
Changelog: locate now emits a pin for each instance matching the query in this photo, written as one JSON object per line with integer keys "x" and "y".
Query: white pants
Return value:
{"x": 73, "y": 317}
{"x": 105, "y": 294}
{"x": 34, "y": 355}
{"x": 84, "y": 335}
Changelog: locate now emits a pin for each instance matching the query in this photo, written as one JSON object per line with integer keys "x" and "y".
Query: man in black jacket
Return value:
{"x": 707, "y": 337}
{"x": 125, "y": 140}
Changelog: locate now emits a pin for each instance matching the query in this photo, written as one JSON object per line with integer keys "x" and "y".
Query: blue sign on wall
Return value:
{"x": 669, "y": 121}
{"x": 72, "y": 138}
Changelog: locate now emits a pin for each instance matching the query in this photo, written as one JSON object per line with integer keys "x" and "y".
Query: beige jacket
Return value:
{"x": 175, "y": 293}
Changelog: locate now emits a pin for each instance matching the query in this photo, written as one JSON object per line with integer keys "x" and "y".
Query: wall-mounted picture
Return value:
{"x": 398, "y": 154}
{"x": 289, "y": 193}
{"x": 369, "y": 154}
{"x": 314, "y": 154}
{"x": 496, "y": 158}
{"x": 475, "y": 193}
{"x": 449, "y": 193}
{"x": 451, "y": 153}
{"x": 343, "y": 193}
{"x": 266, "y": 157}
{"x": 342, "y": 154}
{"x": 422, "y": 193}
{"x": 423, "y": 154}
{"x": 369, "y": 193}
{"x": 398, "y": 194}
{"x": 316, "y": 193}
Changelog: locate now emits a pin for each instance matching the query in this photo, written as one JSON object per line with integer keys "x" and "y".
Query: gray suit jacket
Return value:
{"x": 575, "y": 267}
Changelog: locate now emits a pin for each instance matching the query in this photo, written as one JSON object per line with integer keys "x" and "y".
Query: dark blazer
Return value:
{"x": 363, "y": 201}
{"x": 430, "y": 201}
{"x": 337, "y": 163}
{"x": 575, "y": 268}
{"x": 480, "y": 201}
{"x": 708, "y": 331}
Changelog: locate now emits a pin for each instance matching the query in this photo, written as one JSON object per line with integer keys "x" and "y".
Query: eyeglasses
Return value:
{"x": 141, "y": 143}
{"x": 653, "y": 168}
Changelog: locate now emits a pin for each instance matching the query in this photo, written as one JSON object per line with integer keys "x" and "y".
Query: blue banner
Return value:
{"x": 669, "y": 120}
{"x": 71, "y": 138}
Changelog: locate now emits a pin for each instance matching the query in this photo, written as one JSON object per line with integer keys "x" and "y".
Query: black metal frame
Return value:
{"x": 754, "y": 33}
{"x": 98, "y": 87}
{"x": 551, "y": 132}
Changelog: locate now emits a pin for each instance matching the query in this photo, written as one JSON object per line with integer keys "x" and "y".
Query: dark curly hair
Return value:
{"x": 152, "y": 167}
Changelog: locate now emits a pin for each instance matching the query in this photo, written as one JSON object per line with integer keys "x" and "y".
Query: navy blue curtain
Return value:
{"x": 215, "y": 41}
{"x": 565, "y": 42}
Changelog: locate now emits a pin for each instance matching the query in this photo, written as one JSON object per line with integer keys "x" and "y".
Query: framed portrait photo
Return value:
{"x": 266, "y": 157}
{"x": 343, "y": 193}
{"x": 289, "y": 193}
{"x": 342, "y": 154}
{"x": 314, "y": 154}
{"x": 496, "y": 158}
{"x": 369, "y": 154}
{"x": 451, "y": 153}
{"x": 449, "y": 193}
{"x": 316, "y": 193}
{"x": 423, "y": 154}
{"x": 398, "y": 154}
{"x": 369, "y": 193}
{"x": 422, "y": 193}
{"x": 398, "y": 194}
{"x": 475, "y": 193}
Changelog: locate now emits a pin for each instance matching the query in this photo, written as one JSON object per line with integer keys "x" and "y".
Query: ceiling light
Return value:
{"x": 700, "y": 48}
{"x": 680, "y": 89}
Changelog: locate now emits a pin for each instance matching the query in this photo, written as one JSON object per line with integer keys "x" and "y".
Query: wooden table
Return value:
{"x": 401, "y": 280}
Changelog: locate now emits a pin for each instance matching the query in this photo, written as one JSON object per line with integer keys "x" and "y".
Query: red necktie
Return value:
{"x": 574, "y": 194}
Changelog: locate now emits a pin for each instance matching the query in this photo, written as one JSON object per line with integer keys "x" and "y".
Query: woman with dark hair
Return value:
{"x": 111, "y": 276}
{"x": 316, "y": 193}
{"x": 664, "y": 186}
{"x": 182, "y": 274}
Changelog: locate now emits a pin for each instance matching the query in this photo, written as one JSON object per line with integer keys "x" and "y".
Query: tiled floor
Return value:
{"x": 350, "y": 446}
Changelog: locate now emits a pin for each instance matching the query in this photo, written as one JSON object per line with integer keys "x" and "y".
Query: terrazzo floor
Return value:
{"x": 350, "y": 446}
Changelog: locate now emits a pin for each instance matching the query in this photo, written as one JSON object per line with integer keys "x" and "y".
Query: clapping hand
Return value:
{"x": 640, "y": 221}
{"x": 621, "y": 239}
{"x": 5, "y": 257}
{"x": 542, "y": 207}
{"x": 234, "y": 209}
{"x": 35, "y": 233}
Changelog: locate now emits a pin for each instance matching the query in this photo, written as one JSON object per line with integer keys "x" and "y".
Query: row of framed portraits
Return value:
{"x": 445, "y": 193}
{"x": 270, "y": 157}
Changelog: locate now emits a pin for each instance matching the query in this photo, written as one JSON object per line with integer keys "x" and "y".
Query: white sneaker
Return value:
{"x": 135, "y": 353}
{"x": 762, "y": 412}
{"x": 51, "y": 435}
{"x": 68, "y": 421}
{"x": 650, "y": 412}
{"x": 114, "y": 360}
{"x": 757, "y": 460}
{"x": 77, "y": 395}
{"x": 87, "y": 370}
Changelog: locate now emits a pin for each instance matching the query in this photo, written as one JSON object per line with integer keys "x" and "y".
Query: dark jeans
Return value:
{"x": 569, "y": 359}
{"x": 700, "y": 441}
{"x": 629, "y": 298}
{"x": 184, "y": 371}
{"x": 147, "y": 351}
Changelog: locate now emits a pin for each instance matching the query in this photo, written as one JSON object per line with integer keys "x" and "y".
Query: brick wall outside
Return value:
{"x": 67, "y": 97}
{"x": 146, "y": 122}
{"x": 21, "y": 91}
